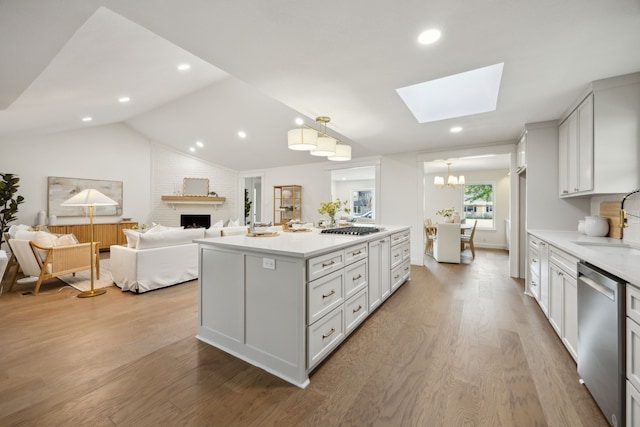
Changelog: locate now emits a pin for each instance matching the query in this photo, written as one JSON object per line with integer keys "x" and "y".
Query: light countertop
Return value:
{"x": 624, "y": 264}
{"x": 298, "y": 244}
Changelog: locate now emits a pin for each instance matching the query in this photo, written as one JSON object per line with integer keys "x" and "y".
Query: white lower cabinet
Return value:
{"x": 570, "y": 316}
{"x": 553, "y": 276}
{"x": 379, "y": 279}
{"x": 633, "y": 406}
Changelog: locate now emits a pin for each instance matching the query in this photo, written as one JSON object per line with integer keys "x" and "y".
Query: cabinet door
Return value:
{"x": 632, "y": 406}
{"x": 543, "y": 255}
{"x": 375, "y": 294}
{"x": 633, "y": 352}
{"x": 385, "y": 268}
{"x": 572, "y": 154}
{"x": 570, "y": 315}
{"x": 585, "y": 145}
{"x": 563, "y": 158}
{"x": 556, "y": 292}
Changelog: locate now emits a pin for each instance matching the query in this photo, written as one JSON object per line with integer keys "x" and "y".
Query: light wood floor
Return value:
{"x": 457, "y": 345}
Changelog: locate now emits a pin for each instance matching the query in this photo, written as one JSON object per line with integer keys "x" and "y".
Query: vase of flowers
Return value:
{"x": 332, "y": 208}
{"x": 447, "y": 214}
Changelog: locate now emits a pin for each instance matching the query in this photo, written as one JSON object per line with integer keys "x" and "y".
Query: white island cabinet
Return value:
{"x": 284, "y": 303}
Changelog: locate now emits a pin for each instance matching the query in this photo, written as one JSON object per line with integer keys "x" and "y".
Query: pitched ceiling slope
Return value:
{"x": 345, "y": 60}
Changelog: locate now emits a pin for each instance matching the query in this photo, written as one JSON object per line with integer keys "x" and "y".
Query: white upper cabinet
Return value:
{"x": 599, "y": 140}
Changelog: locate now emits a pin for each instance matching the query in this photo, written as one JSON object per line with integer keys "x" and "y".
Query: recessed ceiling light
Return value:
{"x": 192, "y": 149}
{"x": 199, "y": 144}
{"x": 299, "y": 121}
{"x": 242, "y": 134}
{"x": 430, "y": 36}
{"x": 455, "y": 129}
{"x": 87, "y": 119}
{"x": 124, "y": 99}
{"x": 184, "y": 67}
{"x": 459, "y": 95}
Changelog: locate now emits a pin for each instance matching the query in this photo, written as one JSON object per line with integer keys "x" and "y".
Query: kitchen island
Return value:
{"x": 284, "y": 303}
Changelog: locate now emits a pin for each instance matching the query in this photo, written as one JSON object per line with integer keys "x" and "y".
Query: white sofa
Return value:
{"x": 156, "y": 259}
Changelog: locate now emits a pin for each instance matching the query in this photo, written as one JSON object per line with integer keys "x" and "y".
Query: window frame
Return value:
{"x": 492, "y": 205}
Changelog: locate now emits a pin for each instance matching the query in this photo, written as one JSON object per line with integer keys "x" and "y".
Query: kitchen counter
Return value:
{"x": 296, "y": 244}
{"x": 624, "y": 264}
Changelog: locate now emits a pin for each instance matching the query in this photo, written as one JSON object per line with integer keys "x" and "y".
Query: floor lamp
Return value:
{"x": 90, "y": 198}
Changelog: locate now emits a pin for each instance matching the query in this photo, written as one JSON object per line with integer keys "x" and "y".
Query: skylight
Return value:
{"x": 459, "y": 95}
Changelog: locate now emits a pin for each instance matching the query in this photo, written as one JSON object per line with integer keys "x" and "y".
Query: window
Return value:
{"x": 362, "y": 203}
{"x": 478, "y": 205}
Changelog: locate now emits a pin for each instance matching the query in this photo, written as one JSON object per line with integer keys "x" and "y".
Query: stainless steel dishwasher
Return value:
{"x": 601, "y": 339}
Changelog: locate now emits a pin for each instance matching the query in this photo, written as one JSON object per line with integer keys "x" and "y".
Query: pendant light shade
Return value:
{"x": 326, "y": 147}
{"x": 318, "y": 142}
{"x": 452, "y": 180}
{"x": 302, "y": 139}
{"x": 343, "y": 153}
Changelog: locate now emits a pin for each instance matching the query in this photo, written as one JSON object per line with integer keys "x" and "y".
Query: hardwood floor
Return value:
{"x": 457, "y": 345}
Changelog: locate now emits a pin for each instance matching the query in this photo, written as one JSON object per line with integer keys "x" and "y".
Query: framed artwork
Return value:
{"x": 61, "y": 189}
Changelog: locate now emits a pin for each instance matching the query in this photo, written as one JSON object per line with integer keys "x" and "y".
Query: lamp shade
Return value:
{"x": 438, "y": 180}
{"x": 89, "y": 197}
{"x": 302, "y": 139}
{"x": 343, "y": 153}
{"x": 326, "y": 147}
{"x": 461, "y": 180}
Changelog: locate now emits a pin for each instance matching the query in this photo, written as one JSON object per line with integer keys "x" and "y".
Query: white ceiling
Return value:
{"x": 256, "y": 66}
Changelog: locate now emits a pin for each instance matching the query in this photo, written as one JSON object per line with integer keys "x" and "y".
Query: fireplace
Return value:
{"x": 195, "y": 221}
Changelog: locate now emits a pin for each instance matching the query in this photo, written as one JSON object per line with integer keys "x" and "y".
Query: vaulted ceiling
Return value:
{"x": 257, "y": 65}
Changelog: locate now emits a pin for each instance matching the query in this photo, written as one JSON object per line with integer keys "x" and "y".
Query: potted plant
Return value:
{"x": 332, "y": 208}
{"x": 9, "y": 201}
{"x": 446, "y": 213}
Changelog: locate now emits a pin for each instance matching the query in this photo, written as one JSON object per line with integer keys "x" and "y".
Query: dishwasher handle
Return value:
{"x": 598, "y": 287}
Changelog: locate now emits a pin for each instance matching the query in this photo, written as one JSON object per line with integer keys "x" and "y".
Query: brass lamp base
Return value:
{"x": 92, "y": 293}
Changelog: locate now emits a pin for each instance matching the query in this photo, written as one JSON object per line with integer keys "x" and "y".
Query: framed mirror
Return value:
{"x": 195, "y": 186}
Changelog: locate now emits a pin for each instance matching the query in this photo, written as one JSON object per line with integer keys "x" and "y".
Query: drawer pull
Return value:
{"x": 396, "y": 255}
{"x": 329, "y": 294}
{"x": 397, "y": 276}
{"x": 382, "y": 241}
{"x": 355, "y": 310}
{"x": 327, "y": 335}
{"x": 330, "y": 263}
{"x": 359, "y": 276}
{"x": 356, "y": 253}
{"x": 560, "y": 273}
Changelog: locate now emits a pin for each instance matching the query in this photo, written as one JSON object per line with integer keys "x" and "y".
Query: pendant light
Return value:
{"x": 452, "y": 180}
{"x": 318, "y": 142}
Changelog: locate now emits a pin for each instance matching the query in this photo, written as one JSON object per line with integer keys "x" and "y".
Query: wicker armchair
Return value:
{"x": 47, "y": 262}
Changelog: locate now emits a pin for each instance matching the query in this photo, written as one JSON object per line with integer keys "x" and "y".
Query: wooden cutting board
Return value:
{"x": 611, "y": 210}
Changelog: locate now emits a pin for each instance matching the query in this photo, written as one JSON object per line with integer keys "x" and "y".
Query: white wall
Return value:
{"x": 112, "y": 152}
{"x": 436, "y": 198}
{"x": 169, "y": 168}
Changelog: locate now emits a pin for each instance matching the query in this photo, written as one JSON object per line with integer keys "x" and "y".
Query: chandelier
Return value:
{"x": 452, "y": 181}
{"x": 318, "y": 142}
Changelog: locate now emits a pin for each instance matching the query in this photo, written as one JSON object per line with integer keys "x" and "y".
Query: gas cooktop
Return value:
{"x": 353, "y": 231}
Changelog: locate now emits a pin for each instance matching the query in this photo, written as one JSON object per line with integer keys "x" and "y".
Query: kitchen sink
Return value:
{"x": 611, "y": 248}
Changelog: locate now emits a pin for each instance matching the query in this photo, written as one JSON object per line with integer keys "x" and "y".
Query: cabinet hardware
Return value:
{"x": 355, "y": 310}
{"x": 330, "y": 263}
{"x": 381, "y": 241}
{"x": 359, "y": 276}
{"x": 396, "y": 277}
{"x": 356, "y": 253}
{"x": 396, "y": 255}
{"x": 328, "y": 334}
{"x": 329, "y": 294}
{"x": 560, "y": 273}
{"x": 533, "y": 283}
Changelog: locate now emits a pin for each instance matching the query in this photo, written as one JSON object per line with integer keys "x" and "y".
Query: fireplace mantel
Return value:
{"x": 193, "y": 200}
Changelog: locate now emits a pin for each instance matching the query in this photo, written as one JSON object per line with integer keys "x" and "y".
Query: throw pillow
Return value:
{"x": 132, "y": 237}
{"x": 65, "y": 240}
{"x": 218, "y": 224}
{"x": 234, "y": 223}
{"x": 46, "y": 240}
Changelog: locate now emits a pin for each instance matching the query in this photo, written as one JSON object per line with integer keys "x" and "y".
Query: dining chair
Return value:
{"x": 467, "y": 240}
{"x": 429, "y": 236}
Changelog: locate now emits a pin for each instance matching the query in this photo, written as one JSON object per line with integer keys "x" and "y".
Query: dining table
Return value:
{"x": 433, "y": 228}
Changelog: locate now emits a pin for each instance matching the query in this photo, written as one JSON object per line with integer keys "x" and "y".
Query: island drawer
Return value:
{"x": 567, "y": 262}
{"x": 324, "y": 294}
{"x": 406, "y": 251}
{"x": 396, "y": 256}
{"x": 324, "y": 335}
{"x": 355, "y": 253}
{"x": 400, "y": 237}
{"x": 633, "y": 303}
{"x": 400, "y": 274}
{"x": 355, "y": 278}
{"x": 356, "y": 310}
{"x": 324, "y": 264}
